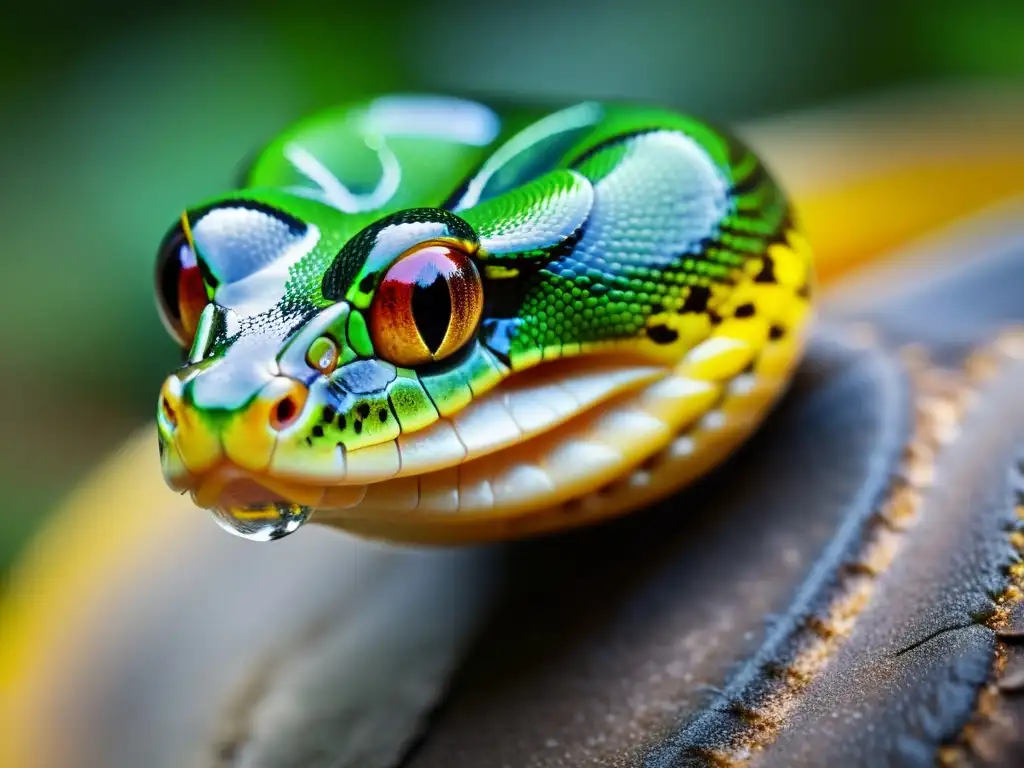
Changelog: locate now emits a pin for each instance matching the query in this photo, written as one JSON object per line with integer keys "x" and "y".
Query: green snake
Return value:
{"x": 428, "y": 321}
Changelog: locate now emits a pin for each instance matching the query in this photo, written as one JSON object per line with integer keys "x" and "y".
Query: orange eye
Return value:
{"x": 180, "y": 290}
{"x": 427, "y": 306}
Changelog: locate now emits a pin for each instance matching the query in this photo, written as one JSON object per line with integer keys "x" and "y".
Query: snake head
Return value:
{"x": 444, "y": 373}
{"x": 308, "y": 361}
{"x": 339, "y": 365}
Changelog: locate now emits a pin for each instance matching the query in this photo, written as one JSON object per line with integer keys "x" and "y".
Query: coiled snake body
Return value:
{"x": 431, "y": 323}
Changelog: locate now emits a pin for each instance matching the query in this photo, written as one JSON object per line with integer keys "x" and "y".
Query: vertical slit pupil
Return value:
{"x": 432, "y": 308}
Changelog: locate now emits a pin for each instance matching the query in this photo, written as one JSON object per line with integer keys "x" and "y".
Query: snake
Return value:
{"x": 428, "y": 320}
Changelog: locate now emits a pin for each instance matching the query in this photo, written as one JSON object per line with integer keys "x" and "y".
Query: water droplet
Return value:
{"x": 262, "y": 522}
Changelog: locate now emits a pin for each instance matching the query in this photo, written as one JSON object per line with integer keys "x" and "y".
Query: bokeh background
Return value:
{"x": 118, "y": 114}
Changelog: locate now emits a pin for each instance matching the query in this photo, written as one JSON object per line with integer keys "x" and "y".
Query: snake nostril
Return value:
{"x": 286, "y": 411}
{"x": 169, "y": 413}
{"x": 169, "y": 401}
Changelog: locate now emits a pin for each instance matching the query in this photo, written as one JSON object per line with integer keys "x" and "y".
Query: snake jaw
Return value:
{"x": 551, "y": 436}
{"x": 377, "y": 478}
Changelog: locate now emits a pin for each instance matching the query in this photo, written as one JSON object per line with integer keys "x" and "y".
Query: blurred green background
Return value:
{"x": 117, "y": 115}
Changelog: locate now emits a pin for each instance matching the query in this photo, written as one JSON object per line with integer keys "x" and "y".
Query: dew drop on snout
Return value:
{"x": 262, "y": 522}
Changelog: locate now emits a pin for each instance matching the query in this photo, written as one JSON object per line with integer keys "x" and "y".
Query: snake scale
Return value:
{"x": 429, "y": 321}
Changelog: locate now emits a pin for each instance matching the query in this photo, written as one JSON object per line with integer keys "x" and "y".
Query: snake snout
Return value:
{"x": 207, "y": 434}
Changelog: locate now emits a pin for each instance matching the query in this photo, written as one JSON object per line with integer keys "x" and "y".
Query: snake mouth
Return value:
{"x": 429, "y": 471}
{"x": 588, "y": 428}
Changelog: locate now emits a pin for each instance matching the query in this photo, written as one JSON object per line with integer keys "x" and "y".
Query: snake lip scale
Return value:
{"x": 429, "y": 322}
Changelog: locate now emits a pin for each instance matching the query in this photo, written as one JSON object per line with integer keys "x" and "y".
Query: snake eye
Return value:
{"x": 427, "y": 306}
{"x": 180, "y": 290}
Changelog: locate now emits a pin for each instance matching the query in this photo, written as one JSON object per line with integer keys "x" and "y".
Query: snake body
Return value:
{"x": 427, "y": 321}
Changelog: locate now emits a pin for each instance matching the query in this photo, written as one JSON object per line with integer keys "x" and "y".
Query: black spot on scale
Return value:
{"x": 651, "y": 462}
{"x": 382, "y": 414}
{"x": 358, "y": 427}
{"x": 363, "y": 410}
{"x": 661, "y": 334}
{"x": 329, "y": 414}
{"x": 318, "y": 431}
{"x": 744, "y": 310}
{"x": 342, "y": 421}
{"x": 696, "y": 300}
{"x": 776, "y": 332}
{"x": 767, "y": 273}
